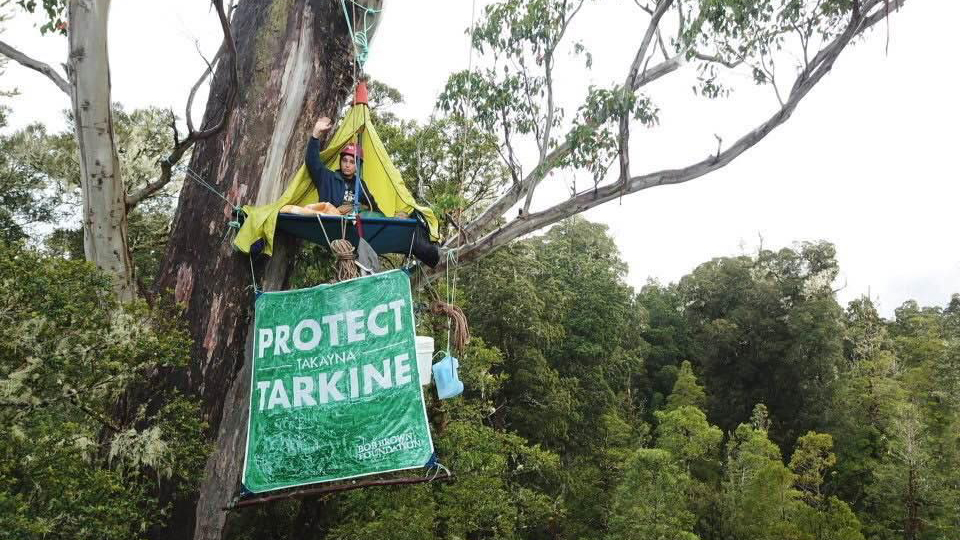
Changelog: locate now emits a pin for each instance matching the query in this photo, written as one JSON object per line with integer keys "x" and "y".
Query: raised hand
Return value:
{"x": 323, "y": 124}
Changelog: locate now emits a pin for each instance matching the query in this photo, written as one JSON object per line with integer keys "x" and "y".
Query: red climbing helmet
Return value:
{"x": 352, "y": 150}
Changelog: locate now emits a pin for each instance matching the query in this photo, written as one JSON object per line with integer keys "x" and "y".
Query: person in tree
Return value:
{"x": 334, "y": 188}
{"x": 336, "y": 191}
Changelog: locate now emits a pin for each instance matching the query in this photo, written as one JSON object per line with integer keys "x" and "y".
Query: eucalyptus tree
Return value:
{"x": 787, "y": 45}
{"x": 86, "y": 83}
{"x": 294, "y": 59}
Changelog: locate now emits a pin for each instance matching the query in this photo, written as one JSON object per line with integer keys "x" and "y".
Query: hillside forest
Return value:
{"x": 743, "y": 401}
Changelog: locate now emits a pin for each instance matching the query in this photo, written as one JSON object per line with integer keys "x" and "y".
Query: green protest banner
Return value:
{"x": 335, "y": 390}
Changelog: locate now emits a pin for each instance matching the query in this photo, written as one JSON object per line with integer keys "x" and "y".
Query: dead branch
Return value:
{"x": 234, "y": 74}
{"x": 196, "y": 86}
{"x": 181, "y": 147}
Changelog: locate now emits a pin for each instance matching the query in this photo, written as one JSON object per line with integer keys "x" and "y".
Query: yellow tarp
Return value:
{"x": 379, "y": 174}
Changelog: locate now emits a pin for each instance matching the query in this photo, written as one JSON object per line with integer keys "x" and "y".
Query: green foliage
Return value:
{"x": 767, "y": 330}
{"x": 40, "y": 178}
{"x": 650, "y": 503}
{"x": 593, "y": 140}
{"x": 514, "y": 96}
{"x": 25, "y": 195}
{"x": 811, "y": 458}
{"x": 667, "y": 338}
{"x": 758, "y": 494}
{"x": 686, "y": 391}
{"x": 55, "y": 10}
{"x": 559, "y": 310}
{"x": 450, "y": 163}
{"x": 549, "y": 438}
{"x": 897, "y": 422}
{"x": 753, "y": 32}
{"x": 69, "y": 467}
{"x": 686, "y": 434}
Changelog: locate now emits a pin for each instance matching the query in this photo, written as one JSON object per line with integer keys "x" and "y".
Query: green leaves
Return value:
{"x": 524, "y": 30}
{"x": 594, "y": 143}
{"x": 767, "y": 330}
{"x": 686, "y": 391}
{"x": 70, "y": 467}
{"x": 40, "y": 181}
{"x": 650, "y": 503}
{"x": 55, "y": 11}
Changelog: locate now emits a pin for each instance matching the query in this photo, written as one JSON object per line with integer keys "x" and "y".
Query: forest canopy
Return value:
{"x": 742, "y": 401}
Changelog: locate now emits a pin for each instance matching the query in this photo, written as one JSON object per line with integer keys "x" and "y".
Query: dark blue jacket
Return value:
{"x": 331, "y": 185}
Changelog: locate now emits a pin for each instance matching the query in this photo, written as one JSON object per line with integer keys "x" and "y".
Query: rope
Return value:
{"x": 437, "y": 467}
{"x": 406, "y": 258}
{"x": 467, "y": 113}
{"x": 231, "y": 225}
{"x": 459, "y": 336}
{"x": 196, "y": 178}
{"x": 253, "y": 278}
{"x": 346, "y": 259}
{"x": 342, "y": 249}
{"x": 458, "y": 330}
{"x": 361, "y": 39}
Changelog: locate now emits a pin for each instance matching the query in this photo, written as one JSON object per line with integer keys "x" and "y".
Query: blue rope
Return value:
{"x": 361, "y": 39}
{"x": 189, "y": 173}
{"x": 231, "y": 225}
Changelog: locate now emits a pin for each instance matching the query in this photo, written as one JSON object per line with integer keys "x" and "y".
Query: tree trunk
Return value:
{"x": 295, "y": 62}
{"x": 104, "y": 196}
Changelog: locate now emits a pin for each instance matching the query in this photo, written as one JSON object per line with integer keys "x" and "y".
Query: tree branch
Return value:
{"x": 716, "y": 60}
{"x": 166, "y": 173}
{"x": 232, "y": 93}
{"x": 630, "y": 82}
{"x": 196, "y": 86}
{"x": 35, "y": 65}
{"x": 808, "y": 78}
{"x": 551, "y": 110}
{"x": 519, "y": 189}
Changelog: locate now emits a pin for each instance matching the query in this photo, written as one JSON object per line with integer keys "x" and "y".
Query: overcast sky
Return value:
{"x": 866, "y": 161}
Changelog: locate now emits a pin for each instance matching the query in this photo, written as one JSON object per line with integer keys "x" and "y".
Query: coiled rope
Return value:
{"x": 346, "y": 267}
{"x": 360, "y": 36}
{"x": 459, "y": 334}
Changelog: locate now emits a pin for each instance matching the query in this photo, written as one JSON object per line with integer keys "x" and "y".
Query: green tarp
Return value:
{"x": 335, "y": 390}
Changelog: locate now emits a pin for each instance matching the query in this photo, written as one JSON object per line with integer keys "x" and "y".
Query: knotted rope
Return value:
{"x": 360, "y": 35}
{"x": 460, "y": 333}
{"x": 346, "y": 259}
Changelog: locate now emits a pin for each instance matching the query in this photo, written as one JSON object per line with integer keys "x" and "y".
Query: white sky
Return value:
{"x": 865, "y": 162}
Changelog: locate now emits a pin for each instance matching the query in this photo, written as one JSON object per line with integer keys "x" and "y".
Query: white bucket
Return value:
{"x": 424, "y": 358}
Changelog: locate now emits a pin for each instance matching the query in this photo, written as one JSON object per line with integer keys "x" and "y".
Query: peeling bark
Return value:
{"x": 294, "y": 64}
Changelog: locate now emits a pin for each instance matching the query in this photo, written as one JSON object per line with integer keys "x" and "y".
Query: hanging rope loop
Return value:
{"x": 460, "y": 331}
{"x": 361, "y": 34}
